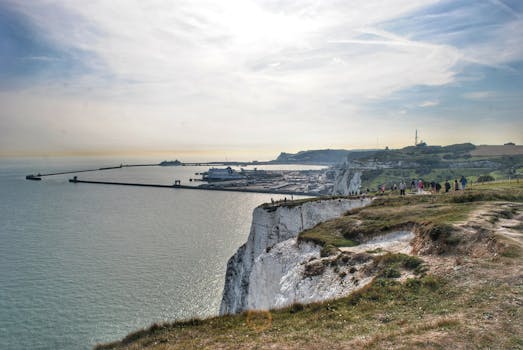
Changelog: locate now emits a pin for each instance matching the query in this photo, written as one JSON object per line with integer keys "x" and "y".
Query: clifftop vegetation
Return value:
{"x": 464, "y": 289}
{"x": 430, "y": 163}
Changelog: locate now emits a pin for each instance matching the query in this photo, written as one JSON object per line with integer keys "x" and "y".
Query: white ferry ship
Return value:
{"x": 217, "y": 174}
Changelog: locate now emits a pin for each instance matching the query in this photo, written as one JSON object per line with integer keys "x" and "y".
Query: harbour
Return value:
{"x": 291, "y": 179}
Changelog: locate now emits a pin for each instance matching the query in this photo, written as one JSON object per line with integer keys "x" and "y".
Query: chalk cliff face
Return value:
{"x": 347, "y": 182}
{"x": 270, "y": 226}
{"x": 293, "y": 272}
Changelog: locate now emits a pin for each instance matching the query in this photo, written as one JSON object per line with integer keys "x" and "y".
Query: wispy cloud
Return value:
{"x": 506, "y": 8}
{"x": 194, "y": 69}
{"x": 429, "y": 103}
{"x": 479, "y": 95}
{"x": 40, "y": 58}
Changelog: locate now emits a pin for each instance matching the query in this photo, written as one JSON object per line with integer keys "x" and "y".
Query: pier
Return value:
{"x": 31, "y": 177}
{"x": 289, "y": 182}
{"x": 40, "y": 175}
{"x": 185, "y": 187}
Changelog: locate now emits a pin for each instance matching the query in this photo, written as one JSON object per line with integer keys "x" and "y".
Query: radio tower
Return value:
{"x": 416, "y": 138}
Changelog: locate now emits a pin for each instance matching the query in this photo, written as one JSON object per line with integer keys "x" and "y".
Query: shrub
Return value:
{"x": 413, "y": 283}
{"x": 439, "y": 230}
{"x": 328, "y": 250}
{"x": 485, "y": 178}
{"x": 396, "y": 260}
{"x": 431, "y": 282}
{"x": 296, "y": 307}
{"x": 390, "y": 272}
{"x": 453, "y": 239}
{"x": 412, "y": 262}
{"x": 314, "y": 269}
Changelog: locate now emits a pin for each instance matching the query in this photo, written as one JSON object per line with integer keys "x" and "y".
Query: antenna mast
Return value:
{"x": 416, "y": 138}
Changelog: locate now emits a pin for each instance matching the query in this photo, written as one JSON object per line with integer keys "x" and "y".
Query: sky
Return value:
{"x": 243, "y": 79}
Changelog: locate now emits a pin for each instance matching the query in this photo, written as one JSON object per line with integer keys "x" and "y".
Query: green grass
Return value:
{"x": 384, "y": 216}
{"x": 409, "y": 262}
{"x": 328, "y": 250}
{"x": 512, "y": 252}
{"x": 474, "y": 306}
{"x": 373, "y": 179}
{"x": 335, "y": 320}
{"x": 386, "y": 313}
{"x": 393, "y": 213}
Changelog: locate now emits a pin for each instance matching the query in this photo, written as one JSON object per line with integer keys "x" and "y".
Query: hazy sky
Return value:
{"x": 248, "y": 79}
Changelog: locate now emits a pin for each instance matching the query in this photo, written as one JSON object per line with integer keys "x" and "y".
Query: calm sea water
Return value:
{"x": 82, "y": 264}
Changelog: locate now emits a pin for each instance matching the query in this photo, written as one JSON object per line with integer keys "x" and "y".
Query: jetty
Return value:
{"x": 185, "y": 187}
{"x": 40, "y": 175}
{"x": 281, "y": 182}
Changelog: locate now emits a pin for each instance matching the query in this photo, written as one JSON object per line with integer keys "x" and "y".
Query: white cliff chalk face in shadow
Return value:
{"x": 270, "y": 226}
{"x": 347, "y": 182}
{"x": 293, "y": 272}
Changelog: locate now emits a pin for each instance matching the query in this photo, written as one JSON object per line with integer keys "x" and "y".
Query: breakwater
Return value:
{"x": 201, "y": 188}
{"x": 40, "y": 175}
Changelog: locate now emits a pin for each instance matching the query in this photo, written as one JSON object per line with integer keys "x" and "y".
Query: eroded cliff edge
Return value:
{"x": 445, "y": 269}
{"x": 271, "y": 225}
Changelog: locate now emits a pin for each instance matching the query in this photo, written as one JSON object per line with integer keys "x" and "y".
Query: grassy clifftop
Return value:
{"x": 390, "y": 213}
{"x": 469, "y": 293}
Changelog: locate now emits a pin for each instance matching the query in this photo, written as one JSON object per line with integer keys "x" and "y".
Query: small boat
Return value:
{"x": 33, "y": 177}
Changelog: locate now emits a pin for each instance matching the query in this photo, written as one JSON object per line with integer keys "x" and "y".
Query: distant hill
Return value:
{"x": 439, "y": 163}
{"x": 430, "y": 163}
{"x": 505, "y": 150}
{"x": 321, "y": 156}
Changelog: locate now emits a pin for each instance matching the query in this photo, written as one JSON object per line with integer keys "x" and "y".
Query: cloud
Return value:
{"x": 429, "y": 103}
{"x": 191, "y": 70}
{"x": 479, "y": 95}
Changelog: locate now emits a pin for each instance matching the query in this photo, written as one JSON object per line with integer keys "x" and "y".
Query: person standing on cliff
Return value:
{"x": 420, "y": 186}
{"x": 447, "y": 186}
{"x": 403, "y": 186}
{"x": 456, "y": 185}
{"x": 463, "y": 181}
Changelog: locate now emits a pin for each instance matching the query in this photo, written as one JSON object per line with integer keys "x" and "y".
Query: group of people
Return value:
{"x": 462, "y": 182}
{"x": 435, "y": 187}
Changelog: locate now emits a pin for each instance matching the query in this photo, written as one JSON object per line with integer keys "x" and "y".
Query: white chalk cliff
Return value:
{"x": 270, "y": 269}
{"x": 347, "y": 182}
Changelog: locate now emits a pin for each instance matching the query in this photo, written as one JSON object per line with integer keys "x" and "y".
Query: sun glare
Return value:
{"x": 249, "y": 24}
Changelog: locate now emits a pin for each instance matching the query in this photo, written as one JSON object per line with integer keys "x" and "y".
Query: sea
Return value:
{"x": 82, "y": 264}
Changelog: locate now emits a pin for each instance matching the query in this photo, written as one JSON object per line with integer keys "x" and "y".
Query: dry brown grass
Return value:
{"x": 471, "y": 297}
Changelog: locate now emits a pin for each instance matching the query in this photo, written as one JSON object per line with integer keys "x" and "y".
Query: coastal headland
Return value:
{"x": 422, "y": 271}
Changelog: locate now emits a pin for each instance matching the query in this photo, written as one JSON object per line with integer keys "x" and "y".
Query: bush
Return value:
{"x": 413, "y": 283}
{"x": 485, "y": 178}
{"x": 439, "y": 231}
{"x": 328, "y": 250}
{"x": 297, "y": 307}
{"x": 390, "y": 272}
{"x": 453, "y": 239}
{"x": 399, "y": 260}
{"x": 412, "y": 262}
{"x": 432, "y": 282}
